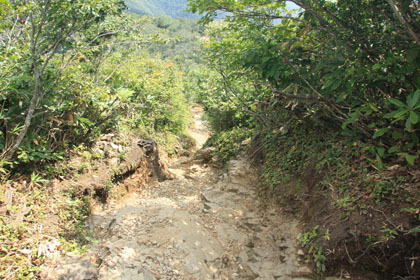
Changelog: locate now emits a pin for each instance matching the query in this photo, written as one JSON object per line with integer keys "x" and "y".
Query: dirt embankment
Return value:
{"x": 354, "y": 235}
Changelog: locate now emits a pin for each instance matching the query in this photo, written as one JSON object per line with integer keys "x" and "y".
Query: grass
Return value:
{"x": 38, "y": 221}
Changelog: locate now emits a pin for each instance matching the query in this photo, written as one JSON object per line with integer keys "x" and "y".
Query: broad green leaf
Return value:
{"x": 342, "y": 97}
{"x": 414, "y": 99}
{"x": 393, "y": 149}
{"x": 409, "y": 158}
{"x": 379, "y": 163}
{"x": 376, "y": 66}
{"x": 414, "y": 230}
{"x": 85, "y": 121}
{"x": 380, "y": 132}
{"x": 414, "y": 118}
{"x": 397, "y": 102}
{"x": 391, "y": 114}
{"x": 373, "y": 107}
{"x": 401, "y": 114}
{"x": 328, "y": 83}
{"x": 336, "y": 84}
{"x": 349, "y": 121}
{"x": 408, "y": 124}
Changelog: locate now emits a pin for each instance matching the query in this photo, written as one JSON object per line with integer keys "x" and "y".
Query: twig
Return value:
{"x": 388, "y": 220}
{"x": 301, "y": 97}
{"x": 261, "y": 118}
{"x": 351, "y": 260}
{"x": 113, "y": 72}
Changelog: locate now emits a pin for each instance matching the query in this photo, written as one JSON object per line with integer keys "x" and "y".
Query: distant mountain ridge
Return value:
{"x": 171, "y": 8}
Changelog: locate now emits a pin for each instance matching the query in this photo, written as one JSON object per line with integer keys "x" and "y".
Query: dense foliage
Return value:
{"x": 332, "y": 91}
{"x": 70, "y": 73}
{"x": 61, "y": 88}
{"x": 336, "y": 62}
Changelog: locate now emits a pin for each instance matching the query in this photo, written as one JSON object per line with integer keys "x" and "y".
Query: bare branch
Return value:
{"x": 112, "y": 73}
{"x": 106, "y": 34}
{"x": 310, "y": 98}
{"x": 12, "y": 31}
{"x": 263, "y": 15}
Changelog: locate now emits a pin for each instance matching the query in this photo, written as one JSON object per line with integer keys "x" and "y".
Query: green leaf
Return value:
{"x": 85, "y": 121}
{"x": 342, "y": 97}
{"x": 414, "y": 99}
{"x": 381, "y": 151}
{"x": 379, "y": 164}
{"x": 373, "y": 107}
{"x": 336, "y": 84}
{"x": 393, "y": 149}
{"x": 396, "y": 135}
{"x": 380, "y": 132}
{"x": 412, "y": 55}
{"x": 400, "y": 114}
{"x": 328, "y": 83}
{"x": 376, "y": 66}
{"x": 408, "y": 124}
{"x": 391, "y": 114}
{"x": 409, "y": 158}
{"x": 414, "y": 118}
{"x": 397, "y": 102}
{"x": 414, "y": 230}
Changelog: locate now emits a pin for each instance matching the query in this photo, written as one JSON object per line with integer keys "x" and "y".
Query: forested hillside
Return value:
{"x": 171, "y": 8}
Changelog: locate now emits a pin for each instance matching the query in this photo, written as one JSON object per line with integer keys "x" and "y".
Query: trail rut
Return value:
{"x": 200, "y": 225}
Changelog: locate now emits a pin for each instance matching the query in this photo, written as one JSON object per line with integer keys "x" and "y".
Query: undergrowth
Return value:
{"x": 351, "y": 204}
{"x": 356, "y": 209}
{"x": 228, "y": 144}
{"x": 38, "y": 221}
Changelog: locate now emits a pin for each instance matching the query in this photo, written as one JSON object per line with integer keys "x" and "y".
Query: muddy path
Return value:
{"x": 200, "y": 225}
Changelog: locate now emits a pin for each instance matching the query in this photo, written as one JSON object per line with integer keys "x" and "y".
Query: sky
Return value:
{"x": 290, "y": 5}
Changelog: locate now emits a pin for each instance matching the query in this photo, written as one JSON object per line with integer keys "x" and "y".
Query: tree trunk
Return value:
{"x": 32, "y": 106}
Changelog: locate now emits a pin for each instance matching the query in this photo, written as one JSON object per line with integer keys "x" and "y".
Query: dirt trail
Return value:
{"x": 201, "y": 225}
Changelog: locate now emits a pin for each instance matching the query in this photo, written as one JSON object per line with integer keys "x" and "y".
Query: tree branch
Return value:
{"x": 310, "y": 98}
{"x": 399, "y": 15}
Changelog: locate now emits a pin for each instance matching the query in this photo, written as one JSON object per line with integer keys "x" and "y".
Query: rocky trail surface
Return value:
{"x": 200, "y": 225}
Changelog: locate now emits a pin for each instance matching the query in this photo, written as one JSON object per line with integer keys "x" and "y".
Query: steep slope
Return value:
{"x": 171, "y": 8}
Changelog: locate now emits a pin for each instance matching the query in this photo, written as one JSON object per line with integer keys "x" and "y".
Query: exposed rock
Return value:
{"x": 246, "y": 272}
{"x": 204, "y": 155}
{"x": 212, "y": 207}
{"x": 246, "y": 142}
{"x": 205, "y": 197}
{"x": 147, "y": 275}
{"x": 197, "y": 226}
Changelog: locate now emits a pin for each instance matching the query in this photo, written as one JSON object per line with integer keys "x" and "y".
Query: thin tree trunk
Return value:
{"x": 29, "y": 115}
{"x": 9, "y": 153}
